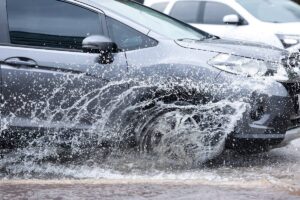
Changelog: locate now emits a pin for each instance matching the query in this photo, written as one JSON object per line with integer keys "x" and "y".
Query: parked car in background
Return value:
{"x": 274, "y": 22}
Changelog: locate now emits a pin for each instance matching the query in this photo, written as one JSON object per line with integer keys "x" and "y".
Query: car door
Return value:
{"x": 212, "y": 21}
{"x": 3, "y": 37}
{"x": 48, "y": 81}
{"x": 187, "y": 11}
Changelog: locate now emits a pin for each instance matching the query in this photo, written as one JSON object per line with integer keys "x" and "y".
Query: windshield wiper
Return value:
{"x": 213, "y": 37}
{"x": 209, "y": 37}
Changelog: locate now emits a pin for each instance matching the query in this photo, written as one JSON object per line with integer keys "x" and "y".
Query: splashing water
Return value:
{"x": 160, "y": 124}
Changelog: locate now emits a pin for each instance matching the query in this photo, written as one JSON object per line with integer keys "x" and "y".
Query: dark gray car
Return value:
{"x": 109, "y": 71}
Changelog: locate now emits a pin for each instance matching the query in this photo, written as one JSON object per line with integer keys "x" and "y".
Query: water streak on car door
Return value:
{"x": 51, "y": 88}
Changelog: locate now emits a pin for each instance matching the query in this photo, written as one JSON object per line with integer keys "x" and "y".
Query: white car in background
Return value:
{"x": 274, "y": 22}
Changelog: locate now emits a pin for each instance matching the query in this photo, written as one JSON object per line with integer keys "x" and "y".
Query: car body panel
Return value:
{"x": 233, "y": 47}
{"x": 25, "y": 86}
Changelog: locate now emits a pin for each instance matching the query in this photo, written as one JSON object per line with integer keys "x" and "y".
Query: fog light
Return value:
{"x": 258, "y": 109}
{"x": 257, "y": 113}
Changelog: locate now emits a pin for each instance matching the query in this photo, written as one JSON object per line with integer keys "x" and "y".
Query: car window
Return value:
{"x": 50, "y": 23}
{"x": 128, "y": 38}
{"x": 153, "y": 20}
{"x": 187, "y": 11}
{"x": 214, "y": 12}
{"x": 160, "y": 6}
{"x": 278, "y": 11}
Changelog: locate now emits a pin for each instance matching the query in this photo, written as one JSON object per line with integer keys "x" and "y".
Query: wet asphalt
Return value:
{"x": 272, "y": 175}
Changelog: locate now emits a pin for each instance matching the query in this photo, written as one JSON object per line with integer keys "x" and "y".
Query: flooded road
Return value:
{"x": 122, "y": 189}
{"x": 272, "y": 175}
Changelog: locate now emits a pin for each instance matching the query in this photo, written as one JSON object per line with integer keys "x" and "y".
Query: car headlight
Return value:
{"x": 239, "y": 65}
{"x": 289, "y": 40}
{"x": 248, "y": 67}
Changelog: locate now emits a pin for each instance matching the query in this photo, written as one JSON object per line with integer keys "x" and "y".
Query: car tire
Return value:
{"x": 161, "y": 137}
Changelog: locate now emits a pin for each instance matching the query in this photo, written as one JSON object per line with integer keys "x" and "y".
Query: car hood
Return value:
{"x": 235, "y": 47}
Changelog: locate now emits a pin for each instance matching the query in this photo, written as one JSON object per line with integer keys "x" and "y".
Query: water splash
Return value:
{"x": 162, "y": 124}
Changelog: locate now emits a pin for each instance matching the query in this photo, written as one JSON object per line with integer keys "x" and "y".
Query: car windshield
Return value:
{"x": 276, "y": 11}
{"x": 153, "y": 20}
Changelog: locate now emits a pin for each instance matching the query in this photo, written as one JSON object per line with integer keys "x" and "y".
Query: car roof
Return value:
{"x": 156, "y": 1}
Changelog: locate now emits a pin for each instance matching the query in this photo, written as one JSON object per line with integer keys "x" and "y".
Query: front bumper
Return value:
{"x": 265, "y": 124}
{"x": 294, "y": 91}
{"x": 290, "y": 136}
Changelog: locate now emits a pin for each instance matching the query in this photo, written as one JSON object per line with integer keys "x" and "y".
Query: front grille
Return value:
{"x": 294, "y": 91}
{"x": 296, "y": 103}
{"x": 292, "y": 64}
{"x": 292, "y": 60}
{"x": 292, "y": 88}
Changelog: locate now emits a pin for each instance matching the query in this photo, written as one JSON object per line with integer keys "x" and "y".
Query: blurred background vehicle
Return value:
{"x": 273, "y": 22}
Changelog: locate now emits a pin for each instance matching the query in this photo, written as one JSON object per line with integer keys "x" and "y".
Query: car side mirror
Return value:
{"x": 100, "y": 44}
{"x": 231, "y": 19}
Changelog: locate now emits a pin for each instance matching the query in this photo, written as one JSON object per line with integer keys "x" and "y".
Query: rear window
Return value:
{"x": 160, "y": 6}
{"x": 186, "y": 11}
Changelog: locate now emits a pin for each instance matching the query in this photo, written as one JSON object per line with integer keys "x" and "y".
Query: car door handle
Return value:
{"x": 20, "y": 61}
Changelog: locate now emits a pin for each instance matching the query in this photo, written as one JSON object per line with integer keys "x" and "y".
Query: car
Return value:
{"x": 271, "y": 22}
{"x": 83, "y": 73}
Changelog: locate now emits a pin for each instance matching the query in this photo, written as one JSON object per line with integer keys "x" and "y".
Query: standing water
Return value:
{"x": 171, "y": 133}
